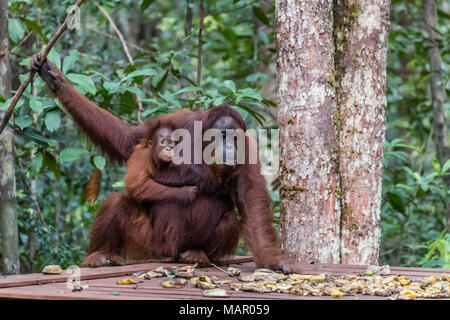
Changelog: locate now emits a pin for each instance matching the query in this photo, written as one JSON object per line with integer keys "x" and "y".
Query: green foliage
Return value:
{"x": 146, "y": 3}
{"x": 99, "y": 162}
{"x": 438, "y": 254}
{"x": 70, "y": 154}
{"x": 413, "y": 209}
{"x": 414, "y": 195}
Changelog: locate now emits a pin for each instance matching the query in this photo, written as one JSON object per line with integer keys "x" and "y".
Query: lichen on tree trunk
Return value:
{"x": 8, "y": 215}
{"x": 310, "y": 211}
{"x": 331, "y": 64}
{"x": 361, "y": 32}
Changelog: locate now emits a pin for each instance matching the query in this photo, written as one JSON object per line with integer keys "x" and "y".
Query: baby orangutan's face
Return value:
{"x": 163, "y": 144}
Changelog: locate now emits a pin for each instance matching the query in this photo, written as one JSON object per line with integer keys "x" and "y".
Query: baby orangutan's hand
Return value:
{"x": 188, "y": 193}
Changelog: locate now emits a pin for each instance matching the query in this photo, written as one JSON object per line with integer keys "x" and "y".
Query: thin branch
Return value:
{"x": 38, "y": 209}
{"x": 255, "y": 44}
{"x": 96, "y": 58}
{"x": 16, "y": 54}
{"x": 125, "y": 48}
{"x": 219, "y": 268}
{"x": 39, "y": 212}
{"x": 200, "y": 42}
{"x": 110, "y": 36}
{"x": 199, "y": 53}
{"x": 31, "y": 74}
{"x": 116, "y": 30}
{"x": 229, "y": 10}
{"x": 189, "y": 15}
{"x": 22, "y": 41}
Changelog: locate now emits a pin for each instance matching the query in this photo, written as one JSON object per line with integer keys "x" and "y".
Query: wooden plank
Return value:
{"x": 102, "y": 281}
{"x": 148, "y": 289}
{"x": 105, "y": 272}
{"x": 53, "y": 291}
{"x": 94, "y": 273}
{"x": 86, "y": 273}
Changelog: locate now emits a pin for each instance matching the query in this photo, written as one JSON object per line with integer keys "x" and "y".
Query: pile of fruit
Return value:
{"x": 374, "y": 283}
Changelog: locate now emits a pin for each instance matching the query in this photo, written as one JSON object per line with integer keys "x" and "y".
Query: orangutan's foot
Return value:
{"x": 195, "y": 256}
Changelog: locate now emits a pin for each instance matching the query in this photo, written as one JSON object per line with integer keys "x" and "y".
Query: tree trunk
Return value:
{"x": 361, "y": 34}
{"x": 8, "y": 214}
{"x": 331, "y": 74}
{"x": 437, "y": 92}
{"x": 309, "y": 201}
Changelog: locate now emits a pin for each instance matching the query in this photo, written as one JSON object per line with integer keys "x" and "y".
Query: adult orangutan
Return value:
{"x": 209, "y": 229}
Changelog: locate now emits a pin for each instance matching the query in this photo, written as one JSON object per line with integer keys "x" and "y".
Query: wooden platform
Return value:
{"x": 102, "y": 283}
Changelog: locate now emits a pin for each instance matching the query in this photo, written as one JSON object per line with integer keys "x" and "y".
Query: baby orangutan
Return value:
{"x": 153, "y": 153}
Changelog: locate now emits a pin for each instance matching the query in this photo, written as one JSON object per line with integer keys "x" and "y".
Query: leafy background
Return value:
{"x": 54, "y": 161}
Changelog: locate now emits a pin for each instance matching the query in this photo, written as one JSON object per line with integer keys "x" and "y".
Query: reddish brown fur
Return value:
{"x": 124, "y": 226}
{"x": 144, "y": 164}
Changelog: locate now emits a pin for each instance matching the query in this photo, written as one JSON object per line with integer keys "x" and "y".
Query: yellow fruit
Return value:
{"x": 127, "y": 281}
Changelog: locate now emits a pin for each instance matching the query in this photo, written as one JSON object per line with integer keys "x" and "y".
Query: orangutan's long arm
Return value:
{"x": 113, "y": 136}
{"x": 254, "y": 204}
